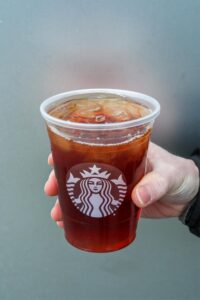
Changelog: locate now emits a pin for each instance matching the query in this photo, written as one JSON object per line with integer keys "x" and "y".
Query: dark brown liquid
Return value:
{"x": 114, "y": 227}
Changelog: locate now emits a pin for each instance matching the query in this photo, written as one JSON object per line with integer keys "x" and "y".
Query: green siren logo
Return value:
{"x": 96, "y": 190}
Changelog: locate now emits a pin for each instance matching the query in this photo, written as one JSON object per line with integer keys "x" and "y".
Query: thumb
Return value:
{"x": 152, "y": 187}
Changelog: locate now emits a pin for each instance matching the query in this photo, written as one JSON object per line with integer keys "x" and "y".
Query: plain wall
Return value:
{"x": 48, "y": 47}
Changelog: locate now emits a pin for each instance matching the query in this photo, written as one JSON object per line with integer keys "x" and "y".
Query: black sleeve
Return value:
{"x": 191, "y": 217}
{"x": 196, "y": 156}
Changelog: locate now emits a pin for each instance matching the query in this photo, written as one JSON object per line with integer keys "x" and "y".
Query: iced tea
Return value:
{"x": 97, "y": 169}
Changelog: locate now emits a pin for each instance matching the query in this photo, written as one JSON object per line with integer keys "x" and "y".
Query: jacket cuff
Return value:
{"x": 191, "y": 215}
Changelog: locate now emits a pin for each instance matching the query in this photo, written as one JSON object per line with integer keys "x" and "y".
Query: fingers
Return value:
{"x": 60, "y": 224}
{"x": 56, "y": 214}
{"x": 151, "y": 188}
{"x": 51, "y": 189}
{"x": 51, "y": 186}
{"x": 50, "y": 160}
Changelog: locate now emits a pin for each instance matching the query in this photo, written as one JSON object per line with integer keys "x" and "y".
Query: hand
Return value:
{"x": 51, "y": 189}
{"x": 170, "y": 184}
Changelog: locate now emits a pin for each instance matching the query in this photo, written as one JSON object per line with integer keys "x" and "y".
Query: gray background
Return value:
{"x": 47, "y": 47}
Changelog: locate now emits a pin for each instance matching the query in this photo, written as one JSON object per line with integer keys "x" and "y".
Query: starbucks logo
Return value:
{"x": 96, "y": 190}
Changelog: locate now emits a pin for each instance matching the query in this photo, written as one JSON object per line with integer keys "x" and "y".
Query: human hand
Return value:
{"x": 170, "y": 184}
{"x": 51, "y": 189}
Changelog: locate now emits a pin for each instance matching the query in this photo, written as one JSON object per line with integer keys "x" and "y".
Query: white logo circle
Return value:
{"x": 96, "y": 190}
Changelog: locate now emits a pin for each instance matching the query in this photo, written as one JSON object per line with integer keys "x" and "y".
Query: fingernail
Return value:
{"x": 143, "y": 195}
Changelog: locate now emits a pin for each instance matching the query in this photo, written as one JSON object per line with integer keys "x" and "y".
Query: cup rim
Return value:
{"x": 151, "y": 102}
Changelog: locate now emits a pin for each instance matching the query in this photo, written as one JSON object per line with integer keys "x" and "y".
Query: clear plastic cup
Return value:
{"x": 97, "y": 167}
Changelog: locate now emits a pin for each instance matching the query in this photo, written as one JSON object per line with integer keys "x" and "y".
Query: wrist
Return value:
{"x": 191, "y": 213}
{"x": 195, "y": 182}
